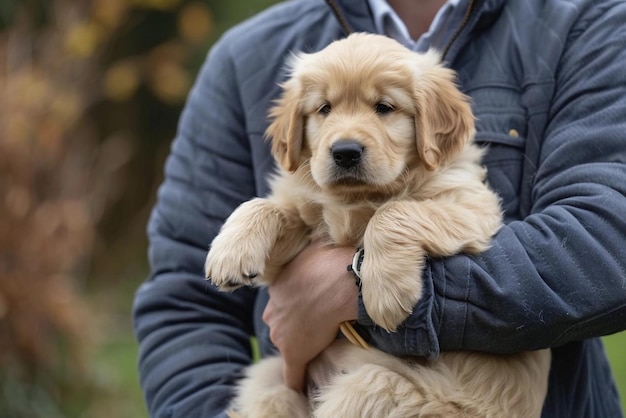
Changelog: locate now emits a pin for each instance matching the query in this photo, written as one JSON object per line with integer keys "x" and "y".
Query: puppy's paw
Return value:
{"x": 390, "y": 288}
{"x": 240, "y": 251}
{"x": 234, "y": 261}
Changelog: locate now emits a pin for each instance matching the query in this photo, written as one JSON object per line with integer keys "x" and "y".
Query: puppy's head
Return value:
{"x": 364, "y": 110}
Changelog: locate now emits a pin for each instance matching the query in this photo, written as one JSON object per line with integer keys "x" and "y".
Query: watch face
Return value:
{"x": 357, "y": 261}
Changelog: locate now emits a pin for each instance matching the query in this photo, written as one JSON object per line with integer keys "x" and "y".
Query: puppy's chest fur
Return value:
{"x": 345, "y": 225}
{"x": 335, "y": 219}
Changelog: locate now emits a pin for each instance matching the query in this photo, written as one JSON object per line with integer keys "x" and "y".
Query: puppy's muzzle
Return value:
{"x": 347, "y": 153}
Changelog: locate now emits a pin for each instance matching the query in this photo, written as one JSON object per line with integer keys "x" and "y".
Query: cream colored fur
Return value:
{"x": 418, "y": 190}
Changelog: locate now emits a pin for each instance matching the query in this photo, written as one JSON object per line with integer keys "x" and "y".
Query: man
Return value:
{"x": 548, "y": 86}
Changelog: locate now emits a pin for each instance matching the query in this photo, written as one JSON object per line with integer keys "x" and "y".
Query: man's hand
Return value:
{"x": 310, "y": 298}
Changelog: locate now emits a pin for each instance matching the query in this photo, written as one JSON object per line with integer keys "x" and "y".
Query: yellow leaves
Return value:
{"x": 110, "y": 13}
{"x": 68, "y": 157}
{"x": 121, "y": 81}
{"x": 37, "y": 111}
{"x": 28, "y": 95}
{"x": 83, "y": 38}
{"x": 27, "y": 87}
{"x": 65, "y": 107}
{"x": 195, "y": 22}
{"x": 161, "y": 70}
{"x": 165, "y": 74}
{"x": 170, "y": 82}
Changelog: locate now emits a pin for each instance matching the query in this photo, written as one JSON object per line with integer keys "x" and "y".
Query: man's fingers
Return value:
{"x": 294, "y": 376}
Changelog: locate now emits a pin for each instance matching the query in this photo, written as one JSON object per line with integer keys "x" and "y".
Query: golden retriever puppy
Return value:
{"x": 375, "y": 148}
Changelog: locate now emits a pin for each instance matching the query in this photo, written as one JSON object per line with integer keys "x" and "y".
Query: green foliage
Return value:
{"x": 616, "y": 348}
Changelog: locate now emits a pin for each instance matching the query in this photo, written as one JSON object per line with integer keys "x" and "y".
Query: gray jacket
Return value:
{"x": 548, "y": 84}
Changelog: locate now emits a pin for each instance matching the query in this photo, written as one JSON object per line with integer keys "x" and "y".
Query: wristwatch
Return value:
{"x": 355, "y": 267}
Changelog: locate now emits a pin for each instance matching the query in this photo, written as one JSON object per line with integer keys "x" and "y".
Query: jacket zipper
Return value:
{"x": 340, "y": 17}
{"x": 466, "y": 18}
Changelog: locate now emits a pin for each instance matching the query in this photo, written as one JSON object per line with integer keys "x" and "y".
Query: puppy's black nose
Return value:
{"x": 347, "y": 153}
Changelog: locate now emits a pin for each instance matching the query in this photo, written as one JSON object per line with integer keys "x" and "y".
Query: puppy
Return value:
{"x": 374, "y": 146}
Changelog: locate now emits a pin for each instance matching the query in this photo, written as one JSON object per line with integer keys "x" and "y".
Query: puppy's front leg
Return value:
{"x": 391, "y": 277}
{"x": 240, "y": 251}
{"x": 401, "y": 233}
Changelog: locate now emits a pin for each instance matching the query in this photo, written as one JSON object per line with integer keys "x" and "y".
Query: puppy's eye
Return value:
{"x": 324, "y": 109}
{"x": 383, "y": 108}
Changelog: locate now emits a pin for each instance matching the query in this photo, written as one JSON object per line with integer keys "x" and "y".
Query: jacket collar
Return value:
{"x": 355, "y": 16}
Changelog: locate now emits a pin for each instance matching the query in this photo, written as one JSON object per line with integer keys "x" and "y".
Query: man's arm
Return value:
{"x": 560, "y": 274}
{"x": 193, "y": 339}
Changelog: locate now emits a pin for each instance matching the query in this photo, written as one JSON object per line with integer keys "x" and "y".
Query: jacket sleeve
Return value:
{"x": 193, "y": 340}
{"x": 559, "y": 275}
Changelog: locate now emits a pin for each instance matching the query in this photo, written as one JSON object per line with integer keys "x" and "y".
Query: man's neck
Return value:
{"x": 417, "y": 15}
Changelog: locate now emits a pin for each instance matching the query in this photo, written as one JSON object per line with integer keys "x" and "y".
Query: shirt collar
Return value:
{"x": 387, "y": 21}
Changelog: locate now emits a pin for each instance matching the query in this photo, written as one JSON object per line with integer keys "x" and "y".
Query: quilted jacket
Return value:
{"x": 548, "y": 83}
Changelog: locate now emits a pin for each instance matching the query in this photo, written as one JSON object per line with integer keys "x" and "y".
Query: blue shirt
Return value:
{"x": 387, "y": 22}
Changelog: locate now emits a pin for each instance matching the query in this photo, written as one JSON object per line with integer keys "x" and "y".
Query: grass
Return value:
{"x": 113, "y": 369}
{"x": 116, "y": 373}
{"x": 615, "y": 345}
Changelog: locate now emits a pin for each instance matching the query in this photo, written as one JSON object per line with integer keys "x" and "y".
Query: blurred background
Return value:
{"x": 90, "y": 95}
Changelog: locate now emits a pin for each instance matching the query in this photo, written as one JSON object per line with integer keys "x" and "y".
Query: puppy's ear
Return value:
{"x": 286, "y": 130}
{"x": 444, "y": 122}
